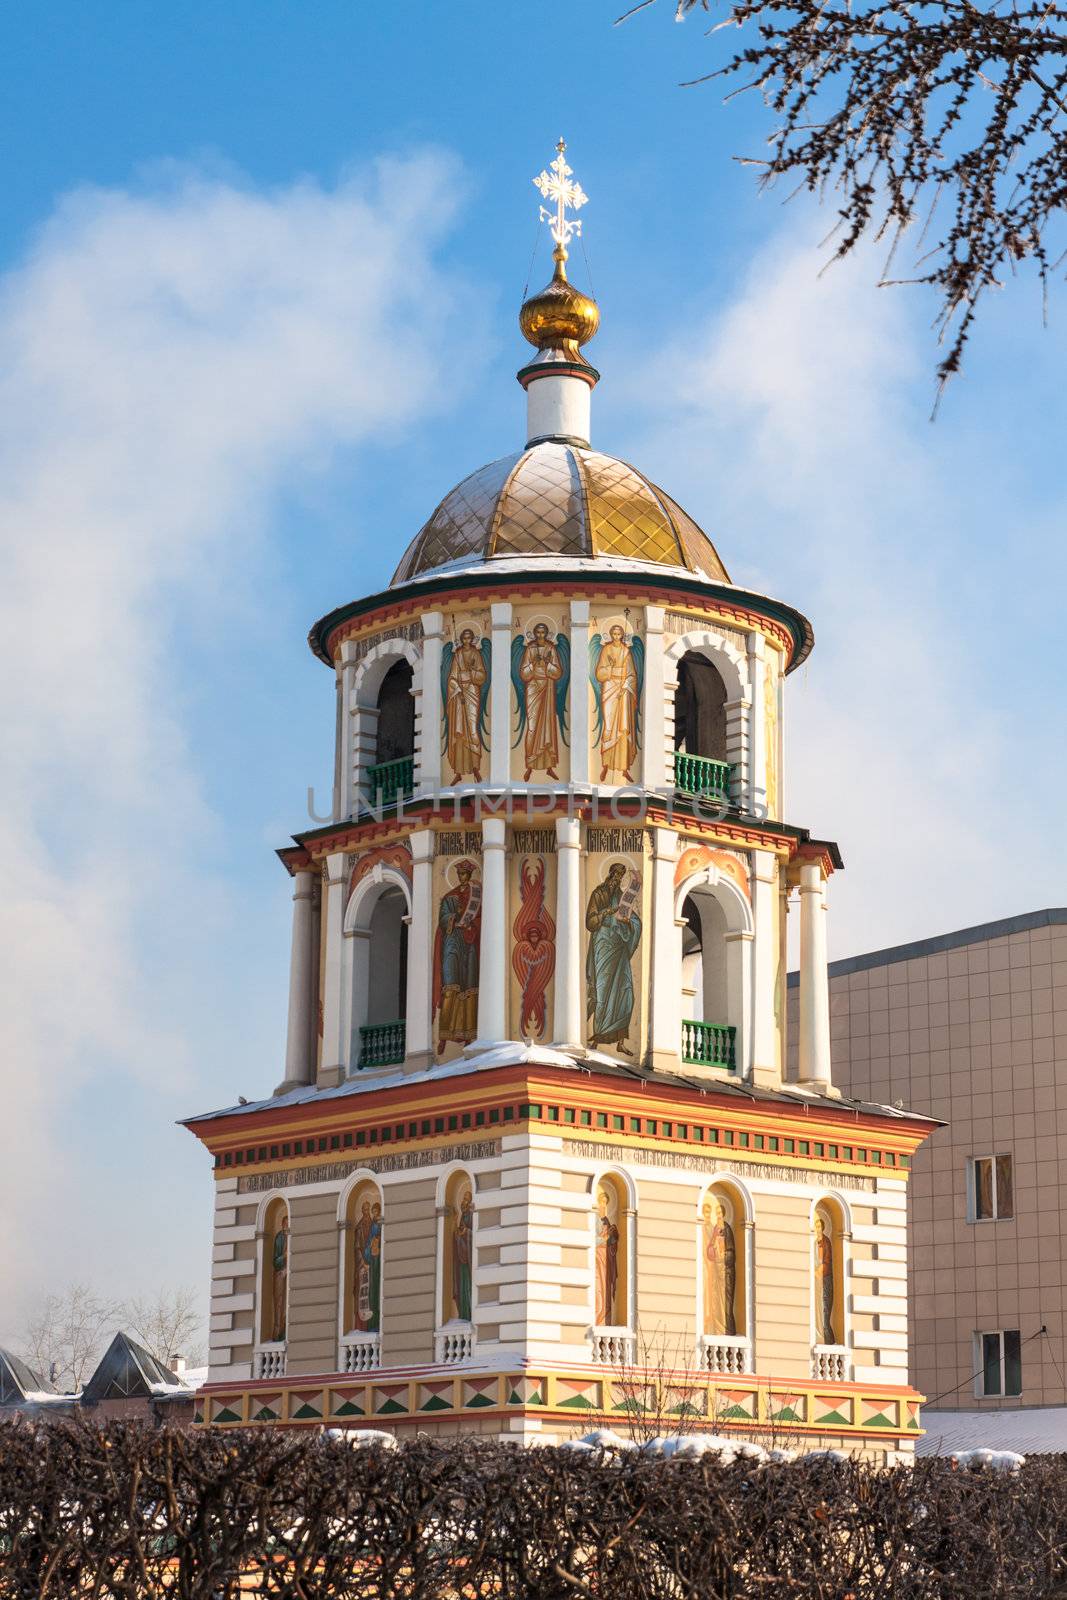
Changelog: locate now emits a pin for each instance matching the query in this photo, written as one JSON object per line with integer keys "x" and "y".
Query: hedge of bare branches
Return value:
{"x": 128, "y": 1511}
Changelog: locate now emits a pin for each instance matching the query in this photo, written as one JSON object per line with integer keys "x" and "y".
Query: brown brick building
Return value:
{"x": 971, "y": 1028}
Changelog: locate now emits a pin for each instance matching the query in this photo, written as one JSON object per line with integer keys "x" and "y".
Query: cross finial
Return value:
{"x": 555, "y": 183}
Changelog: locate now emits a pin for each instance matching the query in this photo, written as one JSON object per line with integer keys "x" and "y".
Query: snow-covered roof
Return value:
{"x": 1033, "y": 1430}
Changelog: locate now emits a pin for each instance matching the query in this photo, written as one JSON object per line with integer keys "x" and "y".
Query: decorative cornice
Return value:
{"x": 791, "y": 630}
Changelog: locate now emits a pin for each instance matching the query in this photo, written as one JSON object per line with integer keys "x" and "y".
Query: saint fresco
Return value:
{"x": 465, "y": 672}
{"x": 607, "y": 1258}
{"x": 614, "y": 928}
{"x": 279, "y": 1278}
{"x": 367, "y": 1239}
{"x": 462, "y": 1224}
{"x": 720, "y": 1269}
{"x": 456, "y": 957}
{"x": 541, "y": 675}
{"x": 617, "y": 670}
{"x": 825, "y": 1332}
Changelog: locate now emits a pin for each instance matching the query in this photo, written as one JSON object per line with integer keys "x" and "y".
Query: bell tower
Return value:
{"x": 533, "y": 1122}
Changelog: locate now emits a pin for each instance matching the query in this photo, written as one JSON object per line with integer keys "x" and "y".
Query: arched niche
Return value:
{"x": 612, "y": 1247}
{"x": 364, "y": 1258}
{"x": 830, "y": 1234}
{"x": 273, "y": 1312}
{"x": 724, "y": 1267}
{"x": 457, "y": 1287}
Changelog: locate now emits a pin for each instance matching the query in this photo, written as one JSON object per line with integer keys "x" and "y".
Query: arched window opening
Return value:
{"x": 724, "y": 1278}
{"x": 455, "y": 1334}
{"x": 613, "y": 1341}
{"x": 361, "y": 1307}
{"x": 393, "y": 772}
{"x": 380, "y": 981}
{"x": 273, "y": 1310}
{"x": 830, "y": 1355}
{"x": 709, "y": 1021}
{"x": 701, "y": 765}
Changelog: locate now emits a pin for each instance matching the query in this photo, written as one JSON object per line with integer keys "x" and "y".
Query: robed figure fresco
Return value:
{"x": 368, "y": 1249}
{"x": 279, "y": 1279}
{"x": 607, "y": 1263}
{"x": 462, "y": 1256}
{"x": 465, "y": 694}
{"x": 617, "y": 669}
{"x": 540, "y": 673}
{"x": 720, "y": 1269}
{"x": 614, "y": 933}
{"x": 824, "y": 1283}
{"x": 456, "y": 959}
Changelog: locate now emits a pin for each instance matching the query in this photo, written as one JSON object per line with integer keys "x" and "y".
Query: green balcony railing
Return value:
{"x": 382, "y": 1044}
{"x": 699, "y": 775}
{"x": 709, "y": 1044}
{"x": 389, "y": 779}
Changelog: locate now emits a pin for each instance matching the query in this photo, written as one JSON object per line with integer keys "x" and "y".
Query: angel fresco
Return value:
{"x": 533, "y": 959}
{"x": 614, "y": 929}
{"x": 465, "y": 670}
{"x": 617, "y": 671}
{"x": 541, "y": 674}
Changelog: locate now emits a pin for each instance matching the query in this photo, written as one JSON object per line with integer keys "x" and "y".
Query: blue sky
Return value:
{"x": 259, "y": 276}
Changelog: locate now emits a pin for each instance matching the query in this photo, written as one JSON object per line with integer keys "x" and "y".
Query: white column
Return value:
{"x": 570, "y": 980}
{"x": 492, "y": 961}
{"x": 299, "y": 1059}
{"x": 418, "y": 1051}
{"x": 738, "y": 725}
{"x": 334, "y": 1031}
{"x": 652, "y": 731}
{"x": 428, "y": 705}
{"x": 351, "y": 735}
{"x": 756, "y": 788}
{"x": 739, "y": 947}
{"x": 764, "y": 1056}
{"x": 750, "y": 1290}
{"x": 814, "y": 1021}
{"x": 666, "y": 955}
{"x": 500, "y": 700}
{"x": 579, "y": 707}
{"x": 558, "y": 407}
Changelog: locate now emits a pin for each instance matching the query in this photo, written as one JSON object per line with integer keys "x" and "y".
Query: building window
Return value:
{"x": 990, "y": 1198}
{"x": 1000, "y": 1363}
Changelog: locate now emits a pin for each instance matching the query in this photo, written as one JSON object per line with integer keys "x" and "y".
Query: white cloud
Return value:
{"x": 795, "y": 426}
{"x": 171, "y": 360}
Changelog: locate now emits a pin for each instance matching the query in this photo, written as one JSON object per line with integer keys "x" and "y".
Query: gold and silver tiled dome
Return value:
{"x": 559, "y": 499}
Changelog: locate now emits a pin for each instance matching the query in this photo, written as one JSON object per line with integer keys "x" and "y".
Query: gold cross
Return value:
{"x": 555, "y": 184}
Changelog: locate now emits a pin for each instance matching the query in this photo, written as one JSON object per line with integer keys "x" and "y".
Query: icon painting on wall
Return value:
{"x": 617, "y": 670}
{"x": 720, "y": 1268}
{"x": 614, "y": 927}
{"x": 367, "y": 1237}
{"x": 607, "y": 1256}
{"x": 456, "y": 956}
{"x": 533, "y": 959}
{"x": 465, "y": 674}
{"x": 541, "y": 675}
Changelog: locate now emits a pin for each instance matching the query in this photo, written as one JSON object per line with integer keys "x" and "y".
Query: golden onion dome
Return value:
{"x": 559, "y": 316}
{"x": 559, "y": 499}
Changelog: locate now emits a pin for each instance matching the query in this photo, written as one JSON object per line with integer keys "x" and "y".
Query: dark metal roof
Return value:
{"x": 127, "y": 1371}
{"x": 17, "y": 1380}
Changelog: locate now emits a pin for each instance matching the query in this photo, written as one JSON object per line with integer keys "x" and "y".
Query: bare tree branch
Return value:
{"x": 892, "y": 105}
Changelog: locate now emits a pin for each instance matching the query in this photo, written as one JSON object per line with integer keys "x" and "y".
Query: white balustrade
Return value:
{"x": 269, "y": 1360}
{"x": 725, "y": 1352}
{"x": 361, "y": 1352}
{"x": 454, "y": 1345}
{"x": 831, "y": 1362}
{"x": 613, "y": 1347}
